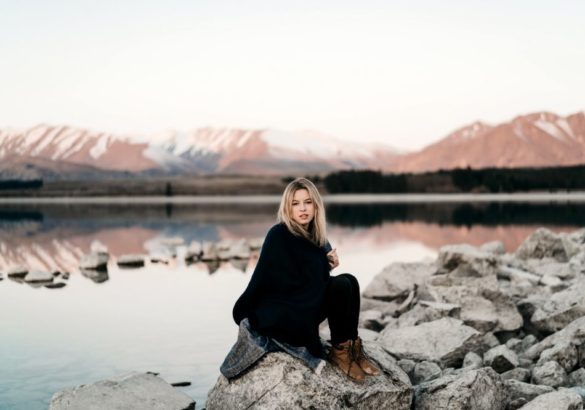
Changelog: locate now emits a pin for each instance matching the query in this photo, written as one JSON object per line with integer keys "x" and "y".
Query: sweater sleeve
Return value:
{"x": 274, "y": 258}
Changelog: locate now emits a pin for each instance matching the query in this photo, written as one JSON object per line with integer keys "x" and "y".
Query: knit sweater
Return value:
{"x": 284, "y": 299}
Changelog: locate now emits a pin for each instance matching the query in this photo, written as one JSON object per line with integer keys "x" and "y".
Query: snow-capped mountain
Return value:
{"x": 535, "y": 140}
{"x": 206, "y": 150}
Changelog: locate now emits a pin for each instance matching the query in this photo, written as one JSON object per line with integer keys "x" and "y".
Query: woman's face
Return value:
{"x": 303, "y": 209}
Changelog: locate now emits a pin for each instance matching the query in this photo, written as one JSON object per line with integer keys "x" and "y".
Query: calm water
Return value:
{"x": 175, "y": 319}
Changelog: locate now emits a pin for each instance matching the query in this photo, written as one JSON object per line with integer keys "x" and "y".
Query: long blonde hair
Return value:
{"x": 316, "y": 231}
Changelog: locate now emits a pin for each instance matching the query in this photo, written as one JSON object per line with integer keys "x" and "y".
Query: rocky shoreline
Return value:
{"x": 478, "y": 328}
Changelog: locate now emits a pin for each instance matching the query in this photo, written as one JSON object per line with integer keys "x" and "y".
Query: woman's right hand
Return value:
{"x": 333, "y": 259}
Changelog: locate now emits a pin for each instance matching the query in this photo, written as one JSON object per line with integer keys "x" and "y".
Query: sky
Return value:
{"x": 405, "y": 73}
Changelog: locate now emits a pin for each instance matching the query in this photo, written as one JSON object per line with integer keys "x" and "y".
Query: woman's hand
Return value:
{"x": 333, "y": 259}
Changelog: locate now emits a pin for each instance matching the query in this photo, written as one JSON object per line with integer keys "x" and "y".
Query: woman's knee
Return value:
{"x": 351, "y": 279}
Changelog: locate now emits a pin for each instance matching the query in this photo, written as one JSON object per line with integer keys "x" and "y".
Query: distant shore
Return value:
{"x": 235, "y": 198}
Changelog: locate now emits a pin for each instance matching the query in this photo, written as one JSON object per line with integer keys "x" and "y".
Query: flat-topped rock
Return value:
{"x": 131, "y": 260}
{"x": 280, "y": 381}
{"x": 129, "y": 391}
{"x": 445, "y": 341}
{"x": 38, "y": 276}
{"x": 398, "y": 280}
{"x": 17, "y": 271}
{"x": 544, "y": 243}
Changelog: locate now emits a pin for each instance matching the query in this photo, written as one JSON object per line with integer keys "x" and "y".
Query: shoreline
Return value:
{"x": 330, "y": 198}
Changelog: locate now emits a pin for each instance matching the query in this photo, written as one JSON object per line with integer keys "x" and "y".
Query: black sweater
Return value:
{"x": 284, "y": 299}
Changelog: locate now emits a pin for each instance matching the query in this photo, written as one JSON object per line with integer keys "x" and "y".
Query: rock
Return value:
{"x": 560, "y": 309}
{"x": 255, "y": 243}
{"x": 96, "y": 261}
{"x": 549, "y": 374}
{"x": 279, "y": 380}
{"x": 209, "y": 252}
{"x": 17, "y": 272}
{"x": 132, "y": 260}
{"x": 368, "y": 335}
{"x": 495, "y": 247}
{"x": 564, "y": 353}
{"x": 387, "y": 363}
{"x": 517, "y": 403}
{"x": 552, "y": 268}
{"x": 174, "y": 241}
{"x": 545, "y": 243}
{"x": 563, "y": 399}
{"x": 574, "y": 332}
{"x": 519, "y": 373}
{"x": 38, "y": 276}
{"x": 129, "y": 391}
{"x": 371, "y": 319}
{"x": 241, "y": 250}
{"x": 397, "y": 280}
{"x": 490, "y": 340}
{"x": 479, "y": 389}
{"x": 193, "y": 251}
{"x": 466, "y": 260}
{"x": 517, "y": 389}
{"x": 57, "y": 285}
{"x": 445, "y": 341}
{"x": 500, "y": 358}
{"x": 408, "y": 366}
{"x": 386, "y": 308}
{"x": 96, "y": 276}
{"x": 472, "y": 361}
{"x": 420, "y": 314}
{"x": 517, "y": 275}
{"x": 527, "y": 342}
{"x": 425, "y": 371}
{"x": 577, "y": 378}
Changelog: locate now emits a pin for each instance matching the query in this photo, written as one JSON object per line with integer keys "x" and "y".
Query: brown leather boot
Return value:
{"x": 341, "y": 355}
{"x": 359, "y": 356}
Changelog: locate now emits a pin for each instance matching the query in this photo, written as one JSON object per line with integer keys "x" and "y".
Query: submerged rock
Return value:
{"x": 132, "y": 260}
{"x": 129, "y": 391}
{"x": 280, "y": 381}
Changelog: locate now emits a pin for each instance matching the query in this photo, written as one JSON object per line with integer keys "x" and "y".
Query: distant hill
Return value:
{"x": 535, "y": 140}
{"x": 63, "y": 152}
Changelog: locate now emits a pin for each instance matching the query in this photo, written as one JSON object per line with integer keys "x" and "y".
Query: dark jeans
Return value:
{"x": 342, "y": 307}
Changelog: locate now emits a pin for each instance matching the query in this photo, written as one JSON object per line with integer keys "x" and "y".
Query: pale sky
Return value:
{"x": 406, "y": 73}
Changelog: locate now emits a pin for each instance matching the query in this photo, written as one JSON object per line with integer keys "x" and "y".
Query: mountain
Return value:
{"x": 535, "y": 140}
{"x": 44, "y": 150}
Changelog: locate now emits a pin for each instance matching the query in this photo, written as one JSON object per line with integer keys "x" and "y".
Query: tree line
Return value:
{"x": 459, "y": 180}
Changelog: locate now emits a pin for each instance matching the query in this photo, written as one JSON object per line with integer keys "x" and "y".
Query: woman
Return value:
{"x": 291, "y": 292}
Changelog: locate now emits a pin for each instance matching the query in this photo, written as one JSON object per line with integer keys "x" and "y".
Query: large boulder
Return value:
{"x": 445, "y": 341}
{"x": 480, "y": 389}
{"x": 398, "y": 280}
{"x": 544, "y": 243}
{"x": 129, "y": 391}
{"x": 280, "y": 381}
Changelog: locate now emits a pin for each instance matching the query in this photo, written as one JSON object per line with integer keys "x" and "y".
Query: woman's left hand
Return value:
{"x": 333, "y": 259}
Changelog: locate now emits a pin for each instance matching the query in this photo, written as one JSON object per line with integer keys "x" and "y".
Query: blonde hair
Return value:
{"x": 316, "y": 230}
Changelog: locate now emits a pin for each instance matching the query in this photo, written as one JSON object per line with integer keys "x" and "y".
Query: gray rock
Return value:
{"x": 17, "y": 272}
{"x": 407, "y": 366}
{"x": 550, "y": 267}
{"x": 241, "y": 250}
{"x": 519, "y": 373}
{"x": 131, "y": 260}
{"x": 425, "y": 371}
{"x": 500, "y": 358}
{"x": 194, "y": 251}
{"x": 421, "y": 314}
{"x": 527, "y": 342}
{"x": 517, "y": 389}
{"x": 517, "y": 275}
{"x": 371, "y": 319}
{"x": 560, "y": 309}
{"x": 490, "y": 340}
{"x": 94, "y": 260}
{"x": 544, "y": 243}
{"x": 564, "y": 353}
{"x": 398, "y": 280}
{"x": 255, "y": 243}
{"x": 577, "y": 378}
{"x": 466, "y": 260}
{"x": 445, "y": 341}
{"x": 97, "y": 276}
{"x": 495, "y": 247}
{"x": 472, "y": 361}
{"x": 129, "y": 391}
{"x": 368, "y": 335}
{"x": 563, "y": 399}
{"x": 549, "y": 374}
{"x": 38, "y": 277}
{"x": 280, "y": 381}
{"x": 386, "y": 308}
{"x": 480, "y": 389}
{"x": 516, "y": 403}
{"x": 209, "y": 252}
{"x": 388, "y": 364}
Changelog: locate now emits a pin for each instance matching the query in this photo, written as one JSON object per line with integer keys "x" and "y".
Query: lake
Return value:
{"x": 175, "y": 318}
